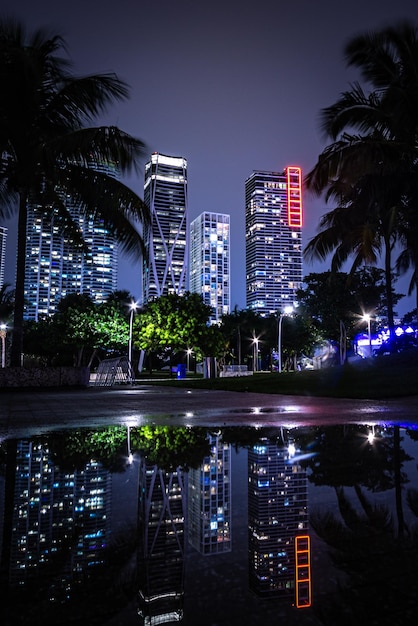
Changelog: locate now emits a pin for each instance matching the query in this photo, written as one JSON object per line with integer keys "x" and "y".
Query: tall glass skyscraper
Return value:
{"x": 55, "y": 269}
{"x": 165, "y": 193}
{"x": 209, "y": 502}
{"x": 277, "y": 517}
{"x": 273, "y": 233}
{"x": 210, "y": 261}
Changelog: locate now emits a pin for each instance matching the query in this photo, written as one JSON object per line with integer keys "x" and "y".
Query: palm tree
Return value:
{"x": 389, "y": 59}
{"x": 48, "y": 151}
{"x": 6, "y": 303}
{"x": 371, "y": 175}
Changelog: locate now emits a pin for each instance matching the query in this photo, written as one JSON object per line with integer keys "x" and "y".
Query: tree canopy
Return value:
{"x": 369, "y": 170}
{"x": 174, "y": 323}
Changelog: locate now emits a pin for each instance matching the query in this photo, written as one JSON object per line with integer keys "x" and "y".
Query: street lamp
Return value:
{"x": 288, "y": 310}
{"x": 133, "y": 307}
{"x": 189, "y": 352}
{"x": 367, "y": 318}
{"x": 3, "y": 331}
{"x": 255, "y": 353}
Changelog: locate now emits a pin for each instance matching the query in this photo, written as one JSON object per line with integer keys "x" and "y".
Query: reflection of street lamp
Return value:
{"x": 3, "y": 331}
{"x": 130, "y": 455}
{"x": 133, "y": 307}
{"x": 288, "y": 310}
{"x": 367, "y": 318}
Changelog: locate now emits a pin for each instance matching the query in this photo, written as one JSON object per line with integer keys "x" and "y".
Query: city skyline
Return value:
{"x": 230, "y": 94}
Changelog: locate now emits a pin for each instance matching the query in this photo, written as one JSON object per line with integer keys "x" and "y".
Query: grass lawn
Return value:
{"x": 383, "y": 377}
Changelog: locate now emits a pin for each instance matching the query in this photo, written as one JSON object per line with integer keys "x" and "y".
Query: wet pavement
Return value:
{"x": 26, "y": 411}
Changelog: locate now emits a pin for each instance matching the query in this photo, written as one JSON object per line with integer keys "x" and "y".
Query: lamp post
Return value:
{"x": 288, "y": 310}
{"x": 367, "y": 318}
{"x": 133, "y": 307}
{"x": 255, "y": 354}
{"x": 189, "y": 351}
{"x": 3, "y": 331}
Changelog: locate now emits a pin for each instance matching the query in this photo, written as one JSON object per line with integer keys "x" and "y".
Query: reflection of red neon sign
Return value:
{"x": 303, "y": 571}
{"x": 294, "y": 196}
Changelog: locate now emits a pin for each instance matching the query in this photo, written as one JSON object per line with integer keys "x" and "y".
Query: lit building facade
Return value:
{"x": 210, "y": 261}
{"x": 161, "y": 516}
{"x": 55, "y": 268}
{"x": 209, "y": 502}
{"x": 3, "y": 237}
{"x": 277, "y": 515}
{"x": 56, "y": 511}
{"x": 273, "y": 239}
{"x": 166, "y": 259}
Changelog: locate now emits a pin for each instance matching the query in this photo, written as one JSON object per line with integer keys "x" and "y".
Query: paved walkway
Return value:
{"x": 30, "y": 411}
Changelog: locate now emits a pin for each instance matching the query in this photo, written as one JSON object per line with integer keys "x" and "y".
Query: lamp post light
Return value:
{"x": 133, "y": 307}
{"x": 255, "y": 353}
{"x": 288, "y": 310}
{"x": 3, "y": 331}
{"x": 189, "y": 352}
{"x": 367, "y": 318}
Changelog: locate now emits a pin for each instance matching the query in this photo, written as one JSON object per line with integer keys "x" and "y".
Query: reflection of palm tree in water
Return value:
{"x": 377, "y": 555}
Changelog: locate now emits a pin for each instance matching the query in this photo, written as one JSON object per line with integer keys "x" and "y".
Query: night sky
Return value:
{"x": 231, "y": 86}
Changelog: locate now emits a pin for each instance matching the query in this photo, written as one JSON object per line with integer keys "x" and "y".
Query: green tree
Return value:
{"x": 173, "y": 323}
{"x": 79, "y": 331}
{"x": 49, "y": 152}
{"x": 333, "y": 297}
{"x": 239, "y": 329}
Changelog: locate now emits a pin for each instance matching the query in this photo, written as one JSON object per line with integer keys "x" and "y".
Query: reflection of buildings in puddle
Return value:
{"x": 209, "y": 500}
{"x": 161, "y": 533}
{"x": 279, "y": 564}
{"x": 56, "y": 512}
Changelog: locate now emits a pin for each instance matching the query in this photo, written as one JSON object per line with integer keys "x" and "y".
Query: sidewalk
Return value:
{"x": 142, "y": 404}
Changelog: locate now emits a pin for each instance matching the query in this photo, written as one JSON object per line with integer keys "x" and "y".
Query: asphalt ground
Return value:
{"x": 27, "y": 412}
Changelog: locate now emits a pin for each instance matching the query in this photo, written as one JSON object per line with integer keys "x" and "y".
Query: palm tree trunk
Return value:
{"x": 17, "y": 335}
{"x": 388, "y": 281}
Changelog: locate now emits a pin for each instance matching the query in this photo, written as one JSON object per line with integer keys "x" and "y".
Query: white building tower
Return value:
{"x": 210, "y": 261}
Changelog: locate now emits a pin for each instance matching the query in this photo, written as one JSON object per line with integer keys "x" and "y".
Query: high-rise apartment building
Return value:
{"x": 277, "y": 520}
{"x": 209, "y": 502}
{"x": 55, "y": 269}
{"x": 210, "y": 261}
{"x": 3, "y": 236}
{"x": 165, "y": 193}
{"x": 273, "y": 232}
{"x": 53, "y": 511}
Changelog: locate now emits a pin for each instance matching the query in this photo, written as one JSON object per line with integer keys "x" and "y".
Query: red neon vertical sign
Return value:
{"x": 303, "y": 571}
{"x": 294, "y": 196}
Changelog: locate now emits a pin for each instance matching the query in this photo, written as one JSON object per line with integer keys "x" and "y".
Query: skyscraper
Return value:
{"x": 165, "y": 193}
{"x": 3, "y": 236}
{"x": 277, "y": 516}
{"x": 209, "y": 502}
{"x": 55, "y": 268}
{"x": 273, "y": 232}
{"x": 210, "y": 261}
{"x": 161, "y": 560}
